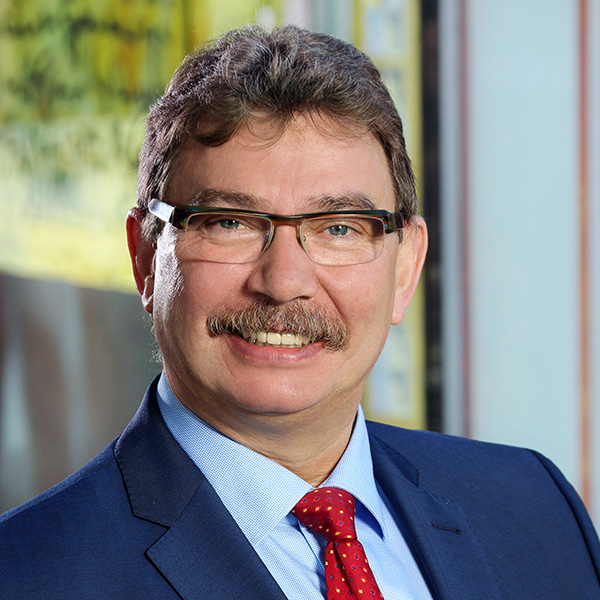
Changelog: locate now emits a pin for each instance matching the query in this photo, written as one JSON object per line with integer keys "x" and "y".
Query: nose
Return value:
{"x": 284, "y": 272}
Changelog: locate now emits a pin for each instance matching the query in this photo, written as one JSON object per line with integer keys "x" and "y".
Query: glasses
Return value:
{"x": 237, "y": 236}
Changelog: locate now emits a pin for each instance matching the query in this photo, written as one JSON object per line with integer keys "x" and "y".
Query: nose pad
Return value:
{"x": 283, "y": 272}
{"x": 301, "y": 239}
{"x": 268, "y": 239}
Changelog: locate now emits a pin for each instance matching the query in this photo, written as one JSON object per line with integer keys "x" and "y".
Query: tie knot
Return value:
{"x": 328, "y": 511}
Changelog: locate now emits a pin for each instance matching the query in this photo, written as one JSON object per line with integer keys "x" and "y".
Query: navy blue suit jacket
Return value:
{"x": 485, "y": 522}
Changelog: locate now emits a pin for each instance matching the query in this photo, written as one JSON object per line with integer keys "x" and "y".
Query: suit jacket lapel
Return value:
{"x": 204, "y": 554}
{"x": 199, "y": 549}
{"x": 437, "y": 531}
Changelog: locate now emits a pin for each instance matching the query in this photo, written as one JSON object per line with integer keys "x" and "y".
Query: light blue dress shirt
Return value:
{"x": 246, "y": 481}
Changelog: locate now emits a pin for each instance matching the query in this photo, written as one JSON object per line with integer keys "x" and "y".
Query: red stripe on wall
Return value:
{"x": 583, "y": 254}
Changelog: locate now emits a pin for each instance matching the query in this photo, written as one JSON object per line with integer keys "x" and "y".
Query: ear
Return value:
{"x": 411, "y": 256}
{"x": 142, "y": 253}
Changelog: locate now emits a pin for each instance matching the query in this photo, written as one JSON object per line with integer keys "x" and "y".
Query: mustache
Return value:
{"x": 302, "y": 317}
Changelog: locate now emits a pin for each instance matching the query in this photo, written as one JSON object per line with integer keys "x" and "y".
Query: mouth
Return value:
{"x": 297, "y": 324}
{"x": 275, "y": 339}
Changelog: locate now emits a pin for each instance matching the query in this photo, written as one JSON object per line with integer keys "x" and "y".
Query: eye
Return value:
{"x": 339, "y": 230}
{"x": 228, "y": 224}
{"x": 216, "y": 224}
{"x": 336, "y": 229}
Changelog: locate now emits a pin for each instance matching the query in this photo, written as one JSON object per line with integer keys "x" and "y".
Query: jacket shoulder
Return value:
{"x": 482, "y": 474}
{"x": 79, "y": 532}
{"x": 440, "y": 453}
{"x": 513, "y": 497}
{"x": 89, "y": 486}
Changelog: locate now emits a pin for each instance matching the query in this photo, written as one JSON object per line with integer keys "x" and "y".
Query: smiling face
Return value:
{"x": 269, "y": 370}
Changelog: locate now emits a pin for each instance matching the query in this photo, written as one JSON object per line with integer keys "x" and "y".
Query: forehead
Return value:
{"x": 287, "y": 171}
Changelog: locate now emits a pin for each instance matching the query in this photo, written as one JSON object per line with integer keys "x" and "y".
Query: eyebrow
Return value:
{"x": 325, "y": 203}
{"x": 225, "y": 199}
{"x": 346, "y": 202}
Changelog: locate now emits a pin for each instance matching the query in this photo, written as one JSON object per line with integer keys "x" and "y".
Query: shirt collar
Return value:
{"x": 354, "y": 473}
{"x": 258, "y": 492}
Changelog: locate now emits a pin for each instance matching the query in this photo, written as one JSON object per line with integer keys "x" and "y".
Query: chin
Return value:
{"x": 275, "y": 403}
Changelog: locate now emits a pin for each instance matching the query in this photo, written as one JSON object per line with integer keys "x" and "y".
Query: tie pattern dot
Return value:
{"x": 330, "y": 512}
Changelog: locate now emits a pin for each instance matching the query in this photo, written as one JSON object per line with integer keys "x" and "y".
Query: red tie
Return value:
{"x": 330, "y": 512}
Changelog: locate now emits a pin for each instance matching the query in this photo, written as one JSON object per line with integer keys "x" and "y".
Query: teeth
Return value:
{"x": 272, "y": 338}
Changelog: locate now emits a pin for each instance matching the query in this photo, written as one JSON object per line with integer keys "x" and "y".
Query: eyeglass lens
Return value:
{"x": 328, "y": 240}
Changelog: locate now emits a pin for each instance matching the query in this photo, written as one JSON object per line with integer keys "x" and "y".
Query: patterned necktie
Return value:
{"x": 330, "y": 512}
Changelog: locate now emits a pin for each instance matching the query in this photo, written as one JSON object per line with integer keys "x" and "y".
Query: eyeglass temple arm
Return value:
{"x": 163, "y": 211}
{"x": 396, "y": 223}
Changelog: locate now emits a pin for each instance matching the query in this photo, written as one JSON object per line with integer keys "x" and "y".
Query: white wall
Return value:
{"x": 513, "y": 332}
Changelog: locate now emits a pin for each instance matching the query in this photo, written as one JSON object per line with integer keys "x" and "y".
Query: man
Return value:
{"x": 275, "y": 242}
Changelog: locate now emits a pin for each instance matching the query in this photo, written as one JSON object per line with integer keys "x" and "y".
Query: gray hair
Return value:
{"x": 250, "y": 73}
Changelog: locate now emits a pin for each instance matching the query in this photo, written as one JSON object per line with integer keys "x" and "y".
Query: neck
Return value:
{"x": 309, "y": 442}
{"x": 310, "y": 450}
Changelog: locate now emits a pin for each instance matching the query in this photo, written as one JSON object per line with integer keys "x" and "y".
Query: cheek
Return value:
{"x": 188, "y": 291}
{"x": 364, "y": 297}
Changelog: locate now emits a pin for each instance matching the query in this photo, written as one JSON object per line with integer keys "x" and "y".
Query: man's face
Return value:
{"x": 306, "y": 169}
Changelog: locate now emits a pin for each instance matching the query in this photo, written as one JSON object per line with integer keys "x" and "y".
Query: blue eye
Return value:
{"x": 229, "y": 224}
{"x": 339, "y": 230}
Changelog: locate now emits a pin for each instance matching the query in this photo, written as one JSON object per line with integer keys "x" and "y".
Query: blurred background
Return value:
{"x": 501, "y": 101}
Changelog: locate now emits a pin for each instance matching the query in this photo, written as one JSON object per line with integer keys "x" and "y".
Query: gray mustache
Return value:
{"x": 302, "y": 317}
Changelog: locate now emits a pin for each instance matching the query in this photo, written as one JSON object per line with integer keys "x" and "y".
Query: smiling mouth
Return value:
{"x": 296, "y": 324}
{"x": 272, "y": 338}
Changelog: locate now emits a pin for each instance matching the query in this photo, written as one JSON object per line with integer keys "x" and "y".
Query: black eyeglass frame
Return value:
{"x": 178, "y": 216}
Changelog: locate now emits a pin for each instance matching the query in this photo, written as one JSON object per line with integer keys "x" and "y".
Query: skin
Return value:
{"x": 296, "y": 406}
